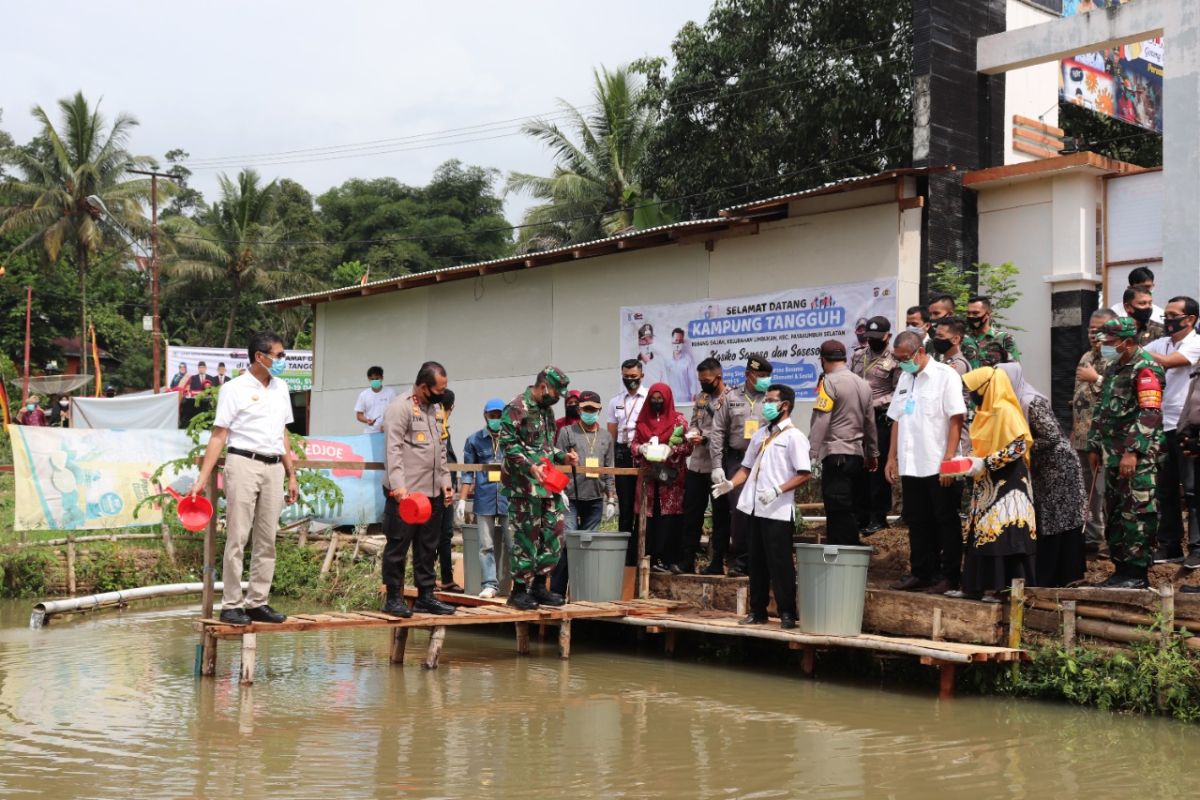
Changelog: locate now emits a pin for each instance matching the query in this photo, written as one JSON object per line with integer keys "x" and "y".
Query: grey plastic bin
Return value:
{"x": 472, "y": 570}
{"x": 831, "y": 586}
{"x": 597, "y": 564}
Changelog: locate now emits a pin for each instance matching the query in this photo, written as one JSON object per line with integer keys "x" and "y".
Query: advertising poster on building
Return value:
{"x": 1125, "y": 82}
{"x": 298, "y": 374}
{"x": 362, "y": 489}
{"x": 786, "y": 326}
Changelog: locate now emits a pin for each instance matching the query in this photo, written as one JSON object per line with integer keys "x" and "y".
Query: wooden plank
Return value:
{"x": 1040, "y": 152}
{"x": 1038, "y": 125}
{"x": 911, "y": 614}
{"x": 1037, "y": 139}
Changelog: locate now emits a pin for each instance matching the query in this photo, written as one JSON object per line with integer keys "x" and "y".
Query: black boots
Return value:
{"x": 543, "y": 595}
{"x": 520, "y": 599}
{"x": 395, "y": 605}
{"x": 428, "y": 604}
{"x": 1127, "y": 576}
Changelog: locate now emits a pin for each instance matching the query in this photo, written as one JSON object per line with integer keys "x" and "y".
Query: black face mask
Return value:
{"x": 708, "y": 388}
{"x": 977, "y": 322}
{"x": 573, "y": 411}
{"x": 877, "y": 345}
{"x": 434, "y": 399}
{"x": 632, "y": 384}
{"x": 942, "y": 346}
{"x": 1142, "y": 315}
{"x": 862, "y": 337}
{"x": 1174, "y": 325}
{"x": 547, "y": 401}
{"x": 657, "y": 406}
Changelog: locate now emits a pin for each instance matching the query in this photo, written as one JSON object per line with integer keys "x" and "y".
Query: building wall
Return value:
{"x": 495, "y": 332}
{"x": 1033, "y": 91}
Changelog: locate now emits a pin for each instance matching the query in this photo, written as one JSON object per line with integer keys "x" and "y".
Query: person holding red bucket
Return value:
{"x": 534, "y": 487}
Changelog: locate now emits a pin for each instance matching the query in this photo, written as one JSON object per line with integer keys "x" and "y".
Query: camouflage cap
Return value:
{"x": 557, "y": 378}
{"x": 1121, "y": 327}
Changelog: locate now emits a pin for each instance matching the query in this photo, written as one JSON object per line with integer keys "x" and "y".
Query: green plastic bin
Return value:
{"x": 597, "y": 564}
{"x": 831, "y": 587}
{"x": 472, "y": 570}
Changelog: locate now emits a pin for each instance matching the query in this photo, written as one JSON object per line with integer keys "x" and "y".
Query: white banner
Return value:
{"x": 298, "y": 373}
{"x": 130, "y": 411}
{"x": 786, "y": 326}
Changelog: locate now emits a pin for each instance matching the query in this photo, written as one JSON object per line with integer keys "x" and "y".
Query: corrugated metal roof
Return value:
{"x": 846, "y": 185}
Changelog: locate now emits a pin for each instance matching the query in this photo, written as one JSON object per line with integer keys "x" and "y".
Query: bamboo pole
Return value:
{"x": 1111, "y": 614}
{"x": 436, "y": 637}
{"x": 1167, "y": 593}
{"x": 249, "y": 650}
{"x": 71, "y": 565}
{"x": 330, "y": 553}
{"x": 168, "y": 544}
{"x": 522, "y": 638}
{"x": 564, "y": 639}
{"x": 1068, "y": 608}
{"x": 643, "y": 575}
{"x": 1016, "y": 620}
{"x": 399, "y": 644}
{"x": 208, "y": 662}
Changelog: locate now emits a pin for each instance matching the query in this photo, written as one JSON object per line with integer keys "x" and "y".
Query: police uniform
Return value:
{"x": 842, "y": 435}
{"x": 698, "y": 485}
{"x": 1128, "y": 419}
{"x": 881, "y": 371}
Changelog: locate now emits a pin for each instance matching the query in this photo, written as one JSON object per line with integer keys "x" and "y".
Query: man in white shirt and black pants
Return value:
{"x": 372, "y": 401}
{"x": 928, "y": 410}
{"x": 622, "y": 416}
{"x": 776, "y": 463}
{"x": 253, "y": 411}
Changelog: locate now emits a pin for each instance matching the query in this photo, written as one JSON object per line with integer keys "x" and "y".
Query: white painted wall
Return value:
{"x": 494, "y": 333}
{"x": 1033, "y": 91}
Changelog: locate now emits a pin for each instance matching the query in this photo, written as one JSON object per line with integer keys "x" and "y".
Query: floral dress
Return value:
{"x": 1001, "y": 523}
{"x": 1057, "y": 476}
{"x": 668, "y": 495}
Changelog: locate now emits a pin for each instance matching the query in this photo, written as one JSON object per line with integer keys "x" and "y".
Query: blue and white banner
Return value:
{"x": 362, "y": 489}
{"x": 786, "y": 326}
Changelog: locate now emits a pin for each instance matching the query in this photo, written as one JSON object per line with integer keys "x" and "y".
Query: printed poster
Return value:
{"x": 298, "y": 374}
{"x": 362, "y": 489}
{"x": 786, "y": 326}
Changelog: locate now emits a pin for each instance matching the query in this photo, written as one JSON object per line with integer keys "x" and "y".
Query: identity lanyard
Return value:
{"x": 758, "y": 458}
{"x": 592, "y": 441}
{"x": 629, "y": 404}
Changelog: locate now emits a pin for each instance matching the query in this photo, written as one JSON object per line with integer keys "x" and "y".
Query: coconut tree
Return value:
{"x": 594, "y": 189}
{"x": 235, "y": 244}
{"x": 51, "y": 197}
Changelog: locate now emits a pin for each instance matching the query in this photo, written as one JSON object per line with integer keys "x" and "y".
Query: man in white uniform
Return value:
{"x": 368, "y": 409}
{"x": 253, "y": 411}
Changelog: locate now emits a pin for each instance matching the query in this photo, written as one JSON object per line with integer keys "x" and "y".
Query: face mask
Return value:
{"x": 30, "y": 406}
{"x": 942, "y": 345}
{"x": 677, "y": 348}
{"x": 64, "y": 403}
{"x": 572, "y": 411}
{"x": 657, "y": 406}
{"x": 877, "y": 345}
{"x": 771, "y": 410}
{"x": 708, "y": 388}
{"x": 977, "y": 322}
{"x": 1174, "y": 325}
{"x": 762, "y": 384}
{"x": 278, "y": 365}
{"x": 1108, "y": 351}
{"x": 646, "y": 350}
{"x": 910, "y": 367}
{"x": 1142, "y": 315}
{"x": 376, "y": 384}
{"x": 917, "y": 329}
{"x": 434, "y": 399}
{"x": 632, "y": 384}
{"x": 493, "y": 425}
{"x": 862, "y": 337}
{"x": 589, "y": 417}
{"x": 547, "y": 400}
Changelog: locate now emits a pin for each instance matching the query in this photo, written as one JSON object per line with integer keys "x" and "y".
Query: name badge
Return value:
{"x": 591, "y": 462}
{"x": 493, "y": 476}
{"x": 750, "y": 428}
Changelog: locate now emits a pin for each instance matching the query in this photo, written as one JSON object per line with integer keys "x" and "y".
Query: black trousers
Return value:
{"x": 1176, "y": 476}
{"x": 662, "y": 536}
{"x": 697, "y": 491}
{"x": 739, "y": 525}
{"x": 423, "y": 539}
{"x": 771, "y": 566}
{"x": 934, "y": 529}
{"x": 873, "y": 494}
{"x": 839, "y": 475}
{"x": 445, "y": 548}
{"x": 626, "y": 489}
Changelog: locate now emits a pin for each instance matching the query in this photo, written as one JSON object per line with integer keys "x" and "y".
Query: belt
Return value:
{"x": 237, "y": 451}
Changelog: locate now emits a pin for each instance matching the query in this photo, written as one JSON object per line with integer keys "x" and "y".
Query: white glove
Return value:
{"x": 642, "y": 450}
{"x": 718, "y": 476}
{"x": 460, "y": 512}
{"x": 767, "y": 496}
{"x": 610, "y": 510}
{"x": 721, "y": 489}
{"x": 566, "y": 501}
{"x": 977, "y": 466}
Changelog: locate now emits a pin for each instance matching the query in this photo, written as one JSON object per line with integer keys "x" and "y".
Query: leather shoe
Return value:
{"x": 909, "y": 583}
{"x": 713, "y": 568}
{"x": 521, "y": 599}
{"x": 428, "y": 604}
{"x": 753, "y": 619}
{"x": 545, "y": 597}
{"x": 234, "y": 616}
{"x": 265, "y": 613}
{"x": 787, "y": 621}
{"x": 395, "y": 605}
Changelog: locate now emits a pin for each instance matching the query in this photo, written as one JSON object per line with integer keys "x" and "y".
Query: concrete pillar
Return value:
{"x": 1180, "y": 272}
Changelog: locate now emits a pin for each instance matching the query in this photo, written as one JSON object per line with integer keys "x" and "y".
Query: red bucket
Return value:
{"x": 553, "y": 478}
{"x": 193, "y": 512}
{"x": 415, "y": 509}
{"x": 955, "y": 466}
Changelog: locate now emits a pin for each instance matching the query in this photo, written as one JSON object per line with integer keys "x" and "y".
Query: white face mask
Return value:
{"x": 677, "y": 348}
{"x": 647, "y": 350}
{"x": 917, "y": 329}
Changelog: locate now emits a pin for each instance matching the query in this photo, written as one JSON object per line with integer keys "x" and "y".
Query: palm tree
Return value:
{"x": 235, "y": 243}
{"x": 48, "y": 200}
{"x": 594, "y": 190}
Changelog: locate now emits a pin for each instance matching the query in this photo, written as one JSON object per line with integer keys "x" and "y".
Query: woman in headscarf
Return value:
{"x": 1058, "y": 496}
{"x": 661, "y": 482}
{"x": 1001, "y": 527}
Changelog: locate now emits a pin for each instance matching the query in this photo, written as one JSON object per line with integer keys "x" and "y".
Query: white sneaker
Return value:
{"x": 488, "y": 592}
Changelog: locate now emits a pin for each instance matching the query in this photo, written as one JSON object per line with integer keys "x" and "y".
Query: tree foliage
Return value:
{"x": 1110, "y": 136}
{"x": 997, "y": 282}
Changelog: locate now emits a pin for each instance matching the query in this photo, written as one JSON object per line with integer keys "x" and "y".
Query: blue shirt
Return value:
{"x": 480, "y": 449}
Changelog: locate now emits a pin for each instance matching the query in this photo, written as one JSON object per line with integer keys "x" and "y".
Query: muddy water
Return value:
{"x": 107, "y": 707}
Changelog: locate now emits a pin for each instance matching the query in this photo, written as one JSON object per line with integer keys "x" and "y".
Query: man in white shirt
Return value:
{"x": 927, "y": 410}
{"x": 1143, "y": 279}
{"x": 622, "y": 416}
{"x": 1177, "y": 353}
{"x": 372, "y": 401}
{"x": 253, "y": 411}
{"x": 775, "y": 465}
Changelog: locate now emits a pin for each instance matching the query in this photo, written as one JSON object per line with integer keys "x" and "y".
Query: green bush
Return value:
{"x": 26, "y": 571}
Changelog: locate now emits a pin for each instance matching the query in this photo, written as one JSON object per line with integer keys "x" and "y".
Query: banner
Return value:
{"x": 298, "y": 373}
{"x": 1125, "y": 82}
{"x": 73, "y": 480}
{"x": 129, "y": 411}
{"x": 362, "y": 489}
{"x": 786, "y": 326}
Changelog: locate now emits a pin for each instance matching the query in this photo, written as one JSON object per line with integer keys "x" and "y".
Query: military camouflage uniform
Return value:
{"x": 1128, "y": 419}
{"x": 989, "y": 349}
{"x": 1152, "y": 331}
{"x": 535, "y": 517}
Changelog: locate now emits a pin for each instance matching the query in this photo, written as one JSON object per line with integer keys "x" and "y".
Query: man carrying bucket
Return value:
{"x": 535, "y": 512}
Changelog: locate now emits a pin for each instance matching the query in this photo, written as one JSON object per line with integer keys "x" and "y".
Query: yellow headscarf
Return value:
{"x": 998, "y": 420}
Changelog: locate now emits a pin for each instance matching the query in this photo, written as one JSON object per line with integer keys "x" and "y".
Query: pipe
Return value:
{"x": 49, "y": 608}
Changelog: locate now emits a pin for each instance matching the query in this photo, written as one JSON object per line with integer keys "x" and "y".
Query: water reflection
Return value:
{"x": 107, "y": 707}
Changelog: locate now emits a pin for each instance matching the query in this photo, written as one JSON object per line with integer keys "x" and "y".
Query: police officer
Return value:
{"x": 1127, "y": 437}
{"x": 734, "y": 425}
{"x": 415, "y": 453}
{"x": 842, "y": 437}
{"x": 697, "y": 483}
{"x": 879, "y": 368}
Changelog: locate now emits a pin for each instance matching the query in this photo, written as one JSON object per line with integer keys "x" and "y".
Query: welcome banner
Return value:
{"x": 787, "y": 326}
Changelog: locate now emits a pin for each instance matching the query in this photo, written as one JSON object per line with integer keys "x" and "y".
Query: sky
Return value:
{"x": 232, "y": 81}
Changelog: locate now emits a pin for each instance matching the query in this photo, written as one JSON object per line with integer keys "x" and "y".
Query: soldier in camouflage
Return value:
{"x": 534, "y": 514}
{"x": 988, "y": 344}
{"x": 1126, "y": 438}
{"x": 1139, "y": 305}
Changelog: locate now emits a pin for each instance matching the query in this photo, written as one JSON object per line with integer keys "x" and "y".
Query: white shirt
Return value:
{"x": 1178, "y": 378}
{"x": 254, "y": 414}
{"x": 623, "y": 411}
{"x": 682, "y": 378}
{"x": 372, "y": 403}
{"x": 785, "y": 455}
{"x": 922, "y": 407}
{"x": 1155, "y": 316}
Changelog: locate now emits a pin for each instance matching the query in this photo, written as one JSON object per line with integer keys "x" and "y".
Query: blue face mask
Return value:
{"x": 910, "y": 367}
{"x": 762, "y": 384}
{"x": 493, "y": 425}
{"x": 278, "y": 365}
{"x": 771, "y": 410}
{"x": 1108, "y": 352}
{"x": 589, "y": 417}
{"x": 376, "y": 384}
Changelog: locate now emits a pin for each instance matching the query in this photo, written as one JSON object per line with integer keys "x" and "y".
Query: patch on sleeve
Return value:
{"x": 1149, "y": 389}
{"x": 824, "y": 401}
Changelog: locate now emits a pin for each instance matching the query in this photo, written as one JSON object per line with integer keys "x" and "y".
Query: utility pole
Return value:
{"x": 156, "y": 336}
